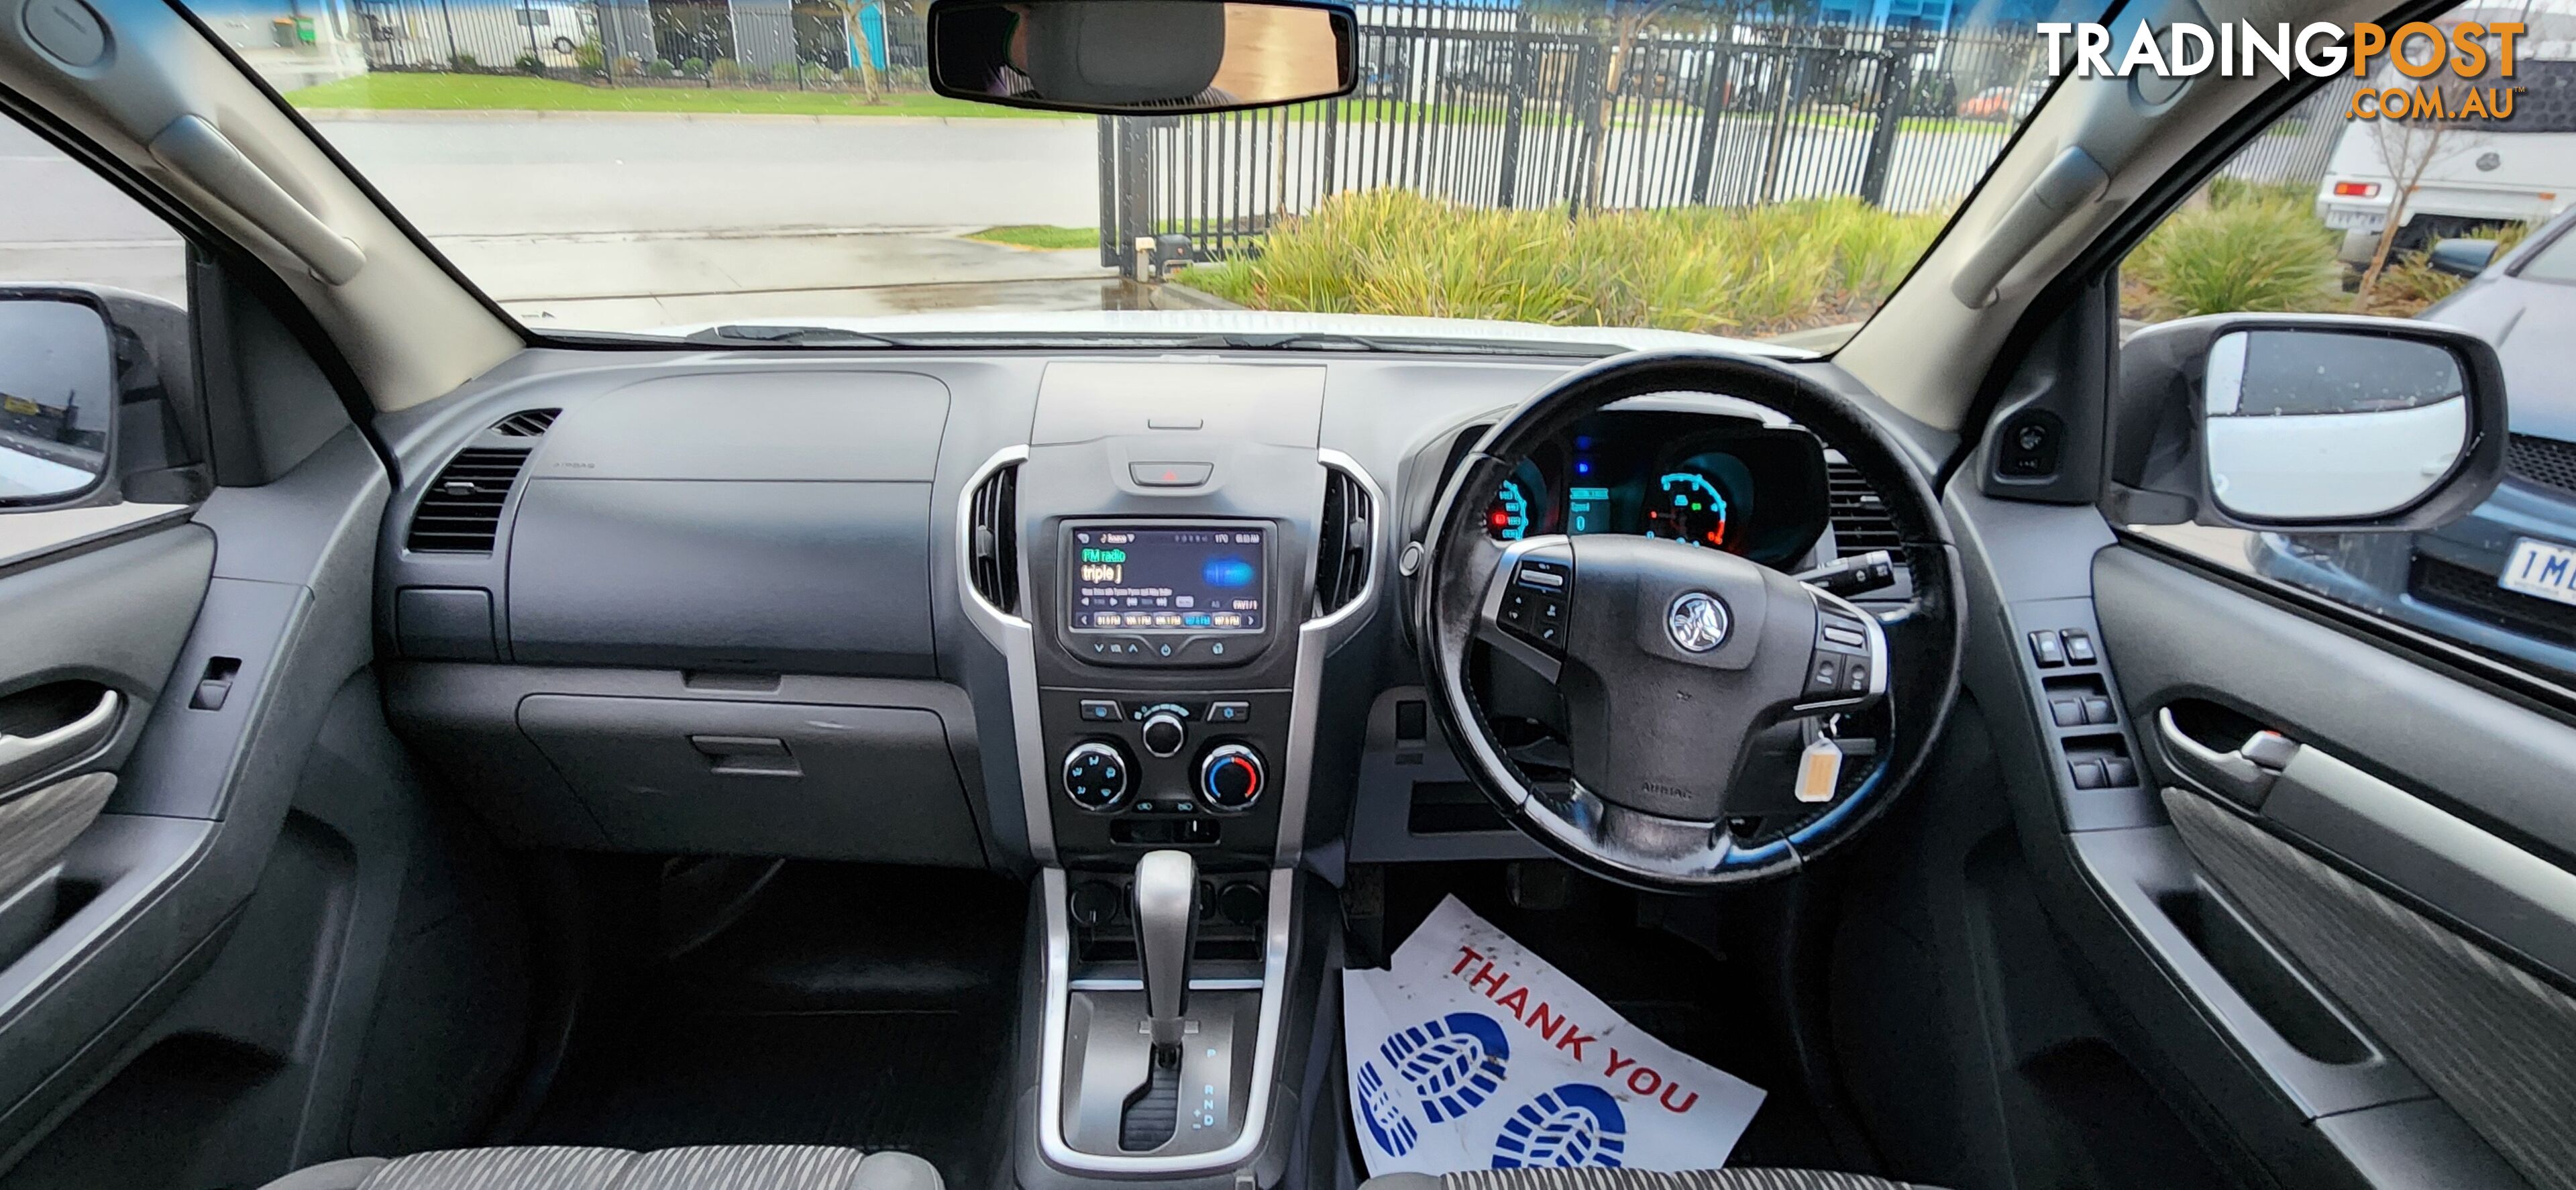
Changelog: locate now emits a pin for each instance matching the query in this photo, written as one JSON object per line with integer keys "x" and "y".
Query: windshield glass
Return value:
{"x": 1753, "y": 170}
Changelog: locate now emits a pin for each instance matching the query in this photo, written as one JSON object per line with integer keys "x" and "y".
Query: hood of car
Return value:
{"x": 1266, "y": 323}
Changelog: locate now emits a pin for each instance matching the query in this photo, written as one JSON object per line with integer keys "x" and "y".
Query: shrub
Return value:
{"x": 2248, "y": 249}
{"x": 661, "y": 68}
{"x": 1746, "y": 270}
{"x": 629, "y": 66}
{"x": 464, "y": 62}
{"x": 695, "y": 68}
{"x": 726, "y": 70}
{"x": 590, "y": 58}
{"x": 530, "y": 64}
{"x": 782, "y": 72}
{"x": 854, "y": 76}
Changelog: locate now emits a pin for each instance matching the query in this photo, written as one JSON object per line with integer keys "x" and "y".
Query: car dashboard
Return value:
{"x": 998, "y": 609}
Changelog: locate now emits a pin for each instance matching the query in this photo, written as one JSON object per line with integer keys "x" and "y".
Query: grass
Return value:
{"x": 1729, "y": 271}
{"x": 2245, "y": 249}
{"x": 495, "y": 92}
{"x": 1040, "y": 236}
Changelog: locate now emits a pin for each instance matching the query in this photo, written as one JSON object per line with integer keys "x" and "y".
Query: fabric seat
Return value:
{"x": 1590, "y": 1178}
{"x": 565, "y": 1167}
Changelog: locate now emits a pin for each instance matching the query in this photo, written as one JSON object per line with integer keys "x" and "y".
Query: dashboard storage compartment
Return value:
{"x": 766, "y": 778}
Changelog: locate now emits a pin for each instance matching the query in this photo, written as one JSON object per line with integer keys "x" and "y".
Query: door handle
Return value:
{"x": 22, "y": 757}
{"x": 2244, "y": 775}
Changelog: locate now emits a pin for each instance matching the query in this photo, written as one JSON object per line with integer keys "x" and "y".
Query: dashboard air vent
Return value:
{"x": 994, "y": 540}
{"x": 1341, "y": 543}
{"x": 529, "y": 424}
{"x": 462, "y": 511}
{"x": 1861, "y": 523}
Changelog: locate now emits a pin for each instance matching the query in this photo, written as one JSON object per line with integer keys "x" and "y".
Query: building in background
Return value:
{"x": 291, "y": 43}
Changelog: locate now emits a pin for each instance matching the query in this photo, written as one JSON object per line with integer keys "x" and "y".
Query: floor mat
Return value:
{"x": 854, "y": 1007}
{"x": 1692, "y": 1000}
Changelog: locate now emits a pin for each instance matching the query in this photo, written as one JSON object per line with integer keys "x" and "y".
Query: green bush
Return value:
{"x": 1723, "y": 270}
{"x": 782, "y": 72}
{"x": 530, "y": 64}
{"x": 726, "y": 70}
{"x": 590, "y": 58}
{"x": 2249, "y": 248}
{"x": 463, "y": 62}
{"x": 629, "y": 66}
{"x": 695, "y": 68}
{"x": 661, "y": 69}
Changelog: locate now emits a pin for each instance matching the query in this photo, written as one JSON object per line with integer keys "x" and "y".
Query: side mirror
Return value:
{"x": 2461, "y": 257}
{"x": 1142, "y": 57}
{"x": 2289, "y": 422}
{"x": 58, "y": 396}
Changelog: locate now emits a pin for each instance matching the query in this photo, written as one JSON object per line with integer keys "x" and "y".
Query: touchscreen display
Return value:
{"x": 1206, "y": 580}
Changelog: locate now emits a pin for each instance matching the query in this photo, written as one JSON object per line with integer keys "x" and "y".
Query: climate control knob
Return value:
{"x": 1163, "y": 733}
{"x": 1097, "y": 776}
{"x": 1231, "y": 778}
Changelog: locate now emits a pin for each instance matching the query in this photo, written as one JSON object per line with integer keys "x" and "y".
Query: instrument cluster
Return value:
{"x": 1713, "y": 483}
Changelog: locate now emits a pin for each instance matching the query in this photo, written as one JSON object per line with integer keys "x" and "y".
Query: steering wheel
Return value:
{"x": 1671, "y": 660}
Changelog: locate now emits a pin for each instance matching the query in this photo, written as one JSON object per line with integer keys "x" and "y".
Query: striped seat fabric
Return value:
{"x": 564, "y": 1167}
{"x": 1531, "y": 1178}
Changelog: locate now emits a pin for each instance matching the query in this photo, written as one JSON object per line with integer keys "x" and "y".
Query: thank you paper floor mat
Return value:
{"x": 1468, "y": 1052}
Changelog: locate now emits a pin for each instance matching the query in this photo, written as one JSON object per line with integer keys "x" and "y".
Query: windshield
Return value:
{"x": 1759, "y": 171}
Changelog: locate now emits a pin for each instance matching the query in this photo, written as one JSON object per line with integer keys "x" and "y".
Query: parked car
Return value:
{"x": 2502, "y": 578}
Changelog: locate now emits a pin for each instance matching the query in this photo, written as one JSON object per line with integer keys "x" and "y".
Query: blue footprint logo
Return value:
{"x": 1576, "y": 1124}
{"x": 1453, "y": 1063}
{"x": 1386, "y": 1120}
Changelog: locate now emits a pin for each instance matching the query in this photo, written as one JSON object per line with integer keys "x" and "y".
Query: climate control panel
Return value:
{"x": 1161, "y": 769}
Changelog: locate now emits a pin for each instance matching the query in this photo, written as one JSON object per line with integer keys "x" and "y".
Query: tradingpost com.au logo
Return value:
{"x": 2460, "y": 73}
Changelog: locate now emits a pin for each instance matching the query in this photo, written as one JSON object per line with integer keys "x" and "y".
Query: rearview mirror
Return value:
{"x": 2461, "y": 257}
{"x": 1142, "y": 57}
{"x": 2307, "y": 422}
{"x": 58, "y": 398}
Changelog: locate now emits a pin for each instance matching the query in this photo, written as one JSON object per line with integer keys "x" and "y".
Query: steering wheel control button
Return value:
{"x": 1100, "y": 710}
{"x": 2078, "y": 645}
{"x": 1825, "y": 675}
{"x": 1097, "y": 776}
{"x": 1169, "y": 475}
{"x": 2046, "y": 650}
{"x": 1229, "y": 712}
{"x": 1856, "y": 676}
{"x": 1231, "y": 777}
{"x": 1847, "y": 635}
{"x": 1697, "y": 622}
{"x": 1164, "y": 733}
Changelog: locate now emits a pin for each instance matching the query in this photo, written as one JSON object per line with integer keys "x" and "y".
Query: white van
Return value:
{"x": 2519, "y": 169}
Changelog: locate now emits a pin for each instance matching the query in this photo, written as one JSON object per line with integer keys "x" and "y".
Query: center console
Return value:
{"x": 1164, "y": 568}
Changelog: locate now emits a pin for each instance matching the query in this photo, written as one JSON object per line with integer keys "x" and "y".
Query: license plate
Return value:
{"x": 2543, "y": 568}
{"x": 2347, "y": 218}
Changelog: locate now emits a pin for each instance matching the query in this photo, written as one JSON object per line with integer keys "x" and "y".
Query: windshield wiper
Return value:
{"x": 1327, "y": 341}
{"x": 790, "y": 336}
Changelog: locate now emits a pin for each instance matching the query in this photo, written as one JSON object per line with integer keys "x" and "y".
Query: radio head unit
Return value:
{"x": 1167, "y": 593}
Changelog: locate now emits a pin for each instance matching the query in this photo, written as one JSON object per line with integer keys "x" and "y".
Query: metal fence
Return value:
{"x": 2295, "y": 149}
{"x": 803, "y": 43}
{"x": 1504, "y": 108}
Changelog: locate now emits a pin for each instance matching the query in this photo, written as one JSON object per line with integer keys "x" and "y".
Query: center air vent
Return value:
{"x": 526, "y": 425}
{"x": 1341, "y": 542}
{"x": 462, "y": 511}
{"x": 1860, "y": 519}
{"x": 993, "y": 540}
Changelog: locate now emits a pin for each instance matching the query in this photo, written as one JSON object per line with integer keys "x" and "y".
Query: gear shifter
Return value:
{"x": 1166, "y": 913}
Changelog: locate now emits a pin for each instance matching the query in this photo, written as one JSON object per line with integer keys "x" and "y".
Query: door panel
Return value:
{"x": 2400, "y": 849}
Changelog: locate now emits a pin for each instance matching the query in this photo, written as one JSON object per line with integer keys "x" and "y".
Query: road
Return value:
{"x": 628, "y": 222}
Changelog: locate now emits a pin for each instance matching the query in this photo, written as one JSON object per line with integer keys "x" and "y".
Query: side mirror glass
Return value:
{"x": 2461, "y": 257}
{"x": 2321, "y": 425}
{"x": 58, "y": 398}
{"x": 1142, "y": 57}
